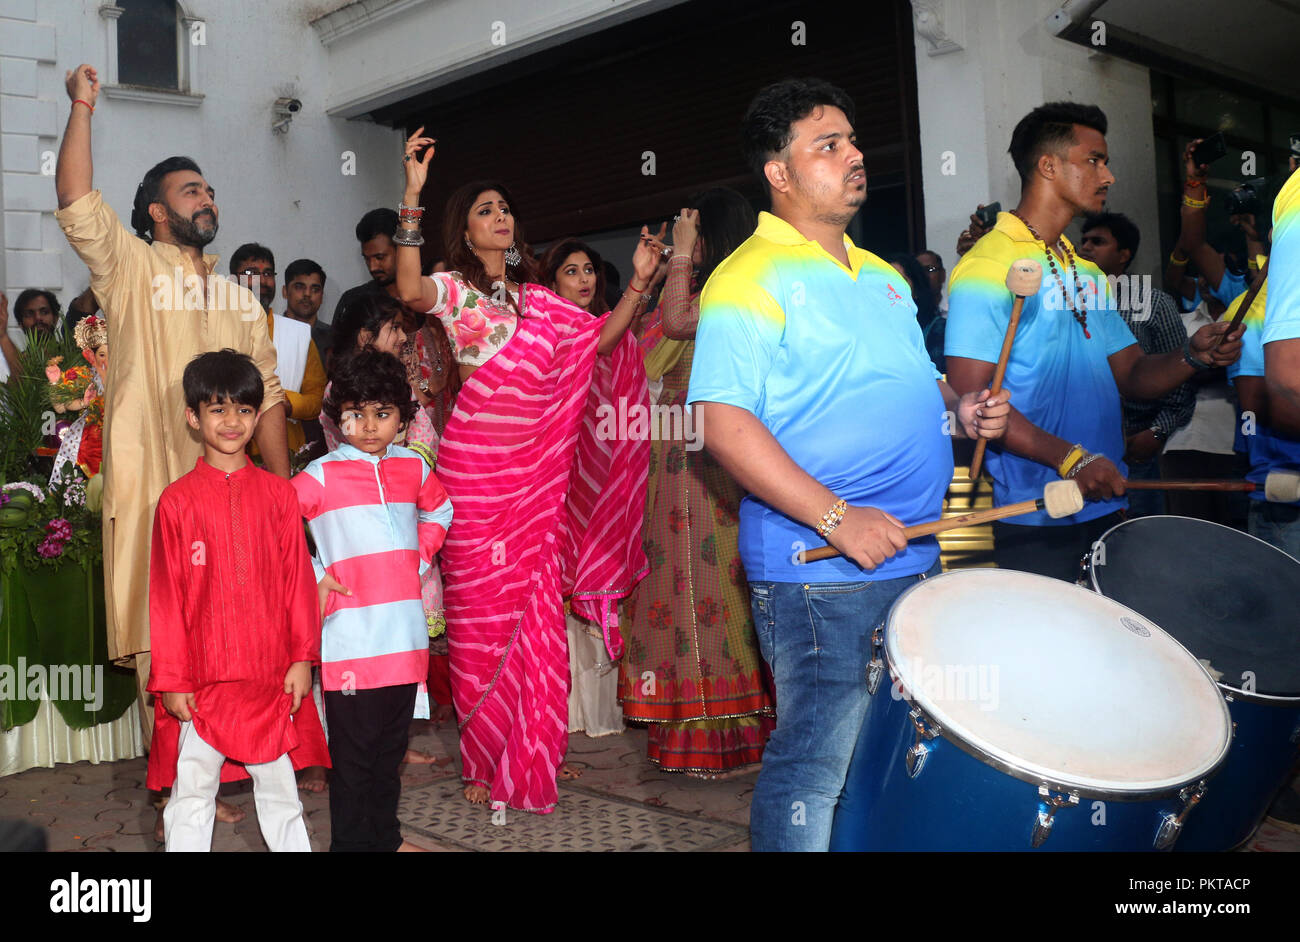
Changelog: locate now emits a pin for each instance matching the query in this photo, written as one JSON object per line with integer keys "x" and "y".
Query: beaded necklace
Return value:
{"x": 1080, "y": 313}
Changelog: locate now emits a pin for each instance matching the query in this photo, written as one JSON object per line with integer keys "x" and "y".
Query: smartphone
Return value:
{"x": 1295, "y": 145}
{"x": 988, "y": 215}
{"x": 1210, "y": 149}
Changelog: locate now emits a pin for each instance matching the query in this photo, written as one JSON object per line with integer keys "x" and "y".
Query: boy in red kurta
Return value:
{"x": 234, "y": 621}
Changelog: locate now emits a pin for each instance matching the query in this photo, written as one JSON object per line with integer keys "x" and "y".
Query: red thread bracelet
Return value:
{"x": 82, "y": 101}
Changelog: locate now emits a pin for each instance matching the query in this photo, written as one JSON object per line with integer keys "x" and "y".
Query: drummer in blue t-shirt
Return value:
{"x": 815, "y": 392}
{"x": 1073, "y": 355}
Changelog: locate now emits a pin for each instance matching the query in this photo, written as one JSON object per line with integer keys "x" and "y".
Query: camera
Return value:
{"x": 988, "y": 215}
{"x": 284, "y": 109}
{"x": 1244, "y": 199}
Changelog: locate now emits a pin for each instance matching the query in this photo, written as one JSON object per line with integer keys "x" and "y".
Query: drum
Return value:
{"x": 1011, "y": 711}
{"x": 1232, "y": 601}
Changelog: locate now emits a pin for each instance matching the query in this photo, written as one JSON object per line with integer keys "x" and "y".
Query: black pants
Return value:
{"x": 1048, "y": 551}
{"x": 1228, "y": 508}
{"x": 368, "y": 732}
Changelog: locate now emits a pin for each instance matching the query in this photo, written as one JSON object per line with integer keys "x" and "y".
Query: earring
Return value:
{"x": 513, "y": 258}
{"x": 468, "y": 244}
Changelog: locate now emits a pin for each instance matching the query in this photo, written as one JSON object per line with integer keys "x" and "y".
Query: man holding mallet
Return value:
{"x": 813, "y": 388}
{"x": 1072, "y": 357}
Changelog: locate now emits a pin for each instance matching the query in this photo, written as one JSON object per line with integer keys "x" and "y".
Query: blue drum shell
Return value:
{"x": 959, "y": 803}
{"x": 1263, "y": 751}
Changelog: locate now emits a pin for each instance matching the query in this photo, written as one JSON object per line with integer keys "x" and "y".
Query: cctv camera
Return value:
{"x": 287, "y": 106}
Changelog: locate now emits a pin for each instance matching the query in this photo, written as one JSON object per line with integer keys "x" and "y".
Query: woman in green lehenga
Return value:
{"x": 692, "y": 668}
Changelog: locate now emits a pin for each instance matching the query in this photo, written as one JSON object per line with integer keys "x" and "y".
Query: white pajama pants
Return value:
{"x": 189, "y": 815}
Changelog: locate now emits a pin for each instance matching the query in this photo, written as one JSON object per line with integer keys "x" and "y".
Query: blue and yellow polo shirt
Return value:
{"x": 1059, "y": 379}
{"x": 1266, "y": 450}
{"x": 831, "y": 360}
{"x": 1282, "y": 320}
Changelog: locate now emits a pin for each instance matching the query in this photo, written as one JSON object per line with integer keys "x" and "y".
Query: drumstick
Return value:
{"x": 1024, "y": 278}
{"x": 1190, "y": 485}
{"x": 1244, "y": 307}
{"x": 1281, "y": 487}
{"x": 1060, "y": 499}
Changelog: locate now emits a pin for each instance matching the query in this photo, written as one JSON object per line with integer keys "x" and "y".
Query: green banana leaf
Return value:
{"x": 17, "y": 640}
{"x": 65, "y": 624}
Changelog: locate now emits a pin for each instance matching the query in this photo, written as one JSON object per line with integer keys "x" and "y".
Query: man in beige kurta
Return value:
{"x": 163, "y": 308}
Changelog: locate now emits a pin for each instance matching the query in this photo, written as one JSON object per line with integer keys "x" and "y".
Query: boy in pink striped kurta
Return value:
{"x": 378, "y": 516}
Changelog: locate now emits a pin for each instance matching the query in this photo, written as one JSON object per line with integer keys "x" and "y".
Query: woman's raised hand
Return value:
{"x": 649, "y": 249}
{"x": 685, "y": 231}
{"x": 417, "y": 168}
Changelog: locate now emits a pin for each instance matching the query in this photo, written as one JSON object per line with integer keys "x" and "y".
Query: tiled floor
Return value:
{"x": 620, "y": 802}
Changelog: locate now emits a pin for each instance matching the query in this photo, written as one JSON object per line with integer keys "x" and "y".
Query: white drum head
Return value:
{"x": 1054, "y": 681}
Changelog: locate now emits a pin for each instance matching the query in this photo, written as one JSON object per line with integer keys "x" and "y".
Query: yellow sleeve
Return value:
{"x": 262, "y": 350}
{"x": 307, "y": 404}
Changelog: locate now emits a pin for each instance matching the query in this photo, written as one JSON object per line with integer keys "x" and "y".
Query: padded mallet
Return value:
{"x": 1281, "y": 487}
{"x": 1024, "y": 278}
{"x": 1060, "y": 499}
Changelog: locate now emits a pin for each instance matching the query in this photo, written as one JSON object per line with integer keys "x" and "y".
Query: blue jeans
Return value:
{"x": 1277, "y": 525}
{"x": 816, "y": 638}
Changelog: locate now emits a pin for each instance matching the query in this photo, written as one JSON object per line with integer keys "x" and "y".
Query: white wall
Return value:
{"x": 970, "y": 100}
{"x": 286, "y": 191}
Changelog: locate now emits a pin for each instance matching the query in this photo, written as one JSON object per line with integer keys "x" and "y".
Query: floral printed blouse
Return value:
{"x": 477, "y": 324}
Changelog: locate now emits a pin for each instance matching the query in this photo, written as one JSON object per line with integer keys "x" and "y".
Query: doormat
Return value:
{"x": 585, "y": 820}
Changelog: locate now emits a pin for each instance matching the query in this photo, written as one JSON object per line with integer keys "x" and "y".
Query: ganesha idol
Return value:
{"x": 81, "y": 389}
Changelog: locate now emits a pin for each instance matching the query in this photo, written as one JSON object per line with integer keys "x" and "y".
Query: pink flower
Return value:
{"x": 50, "y": 549}
{"x": 59, "y": 530}
{"x": 472, "y": 328}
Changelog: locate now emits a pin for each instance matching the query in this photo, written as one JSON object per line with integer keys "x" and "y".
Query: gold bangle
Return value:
{"x": 1072, "y": 457}
{"x": 831, "y": 519}
{"x": 1173, "y": 257}
{"x": 1195, "y": 204}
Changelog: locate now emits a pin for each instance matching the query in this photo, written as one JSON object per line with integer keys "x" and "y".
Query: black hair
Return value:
{"x": 377, "y": 222}
{"x": 31, "y": 293}
{"x": 303, "y": 266}
{"x": 937, "y": 257}
{"x": 220, "y": 375}
{"x": 768, "y": 126}
{"x": 150, "y": 191}
{"x": 250, "y": 252}
{"x": 726, "y": 220}
{"x": 1049, "y": 128}
{"x": 369, "y": 376}
{"x": 550, "y": 264}
{"x": 365, "y": 310}
{"x": 922, "y": 294}
{"x": 1126, "y": 233}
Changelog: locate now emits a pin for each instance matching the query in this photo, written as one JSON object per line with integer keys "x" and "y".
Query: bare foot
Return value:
{"x": 408, "y": 848}
{"x": 159, "y": 834}
{"x": 442, "y": 713}
{"x": 415, "y": 757}
{"x": 228, "y": 813}
{"x": 313, "y": 779}
{"x": 476, "y": 794}
{"x": 568, "y": 772}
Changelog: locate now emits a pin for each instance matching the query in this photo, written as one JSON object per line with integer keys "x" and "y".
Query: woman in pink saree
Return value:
{"x": 548, "y": 490}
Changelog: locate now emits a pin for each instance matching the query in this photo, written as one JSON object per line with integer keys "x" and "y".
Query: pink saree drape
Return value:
{"x": 548, "y": 503}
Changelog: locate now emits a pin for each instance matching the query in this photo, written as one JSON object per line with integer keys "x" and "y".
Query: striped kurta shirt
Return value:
{"x": 377, "y": 521}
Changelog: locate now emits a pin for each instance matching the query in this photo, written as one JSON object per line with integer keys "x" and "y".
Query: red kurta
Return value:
{"x": 232, "y": 604}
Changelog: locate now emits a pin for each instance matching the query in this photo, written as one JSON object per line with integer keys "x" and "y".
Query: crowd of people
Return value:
{"x": 479, "y": 546}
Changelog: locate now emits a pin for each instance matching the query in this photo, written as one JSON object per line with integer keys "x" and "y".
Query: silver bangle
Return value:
{"x": 408, "y": 237}
{"x": 1083, "y": 463}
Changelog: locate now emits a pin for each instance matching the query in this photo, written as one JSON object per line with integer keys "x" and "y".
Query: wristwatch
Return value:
{"x": 1160, "y": 435}
{"x": 1198, "y": 365}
